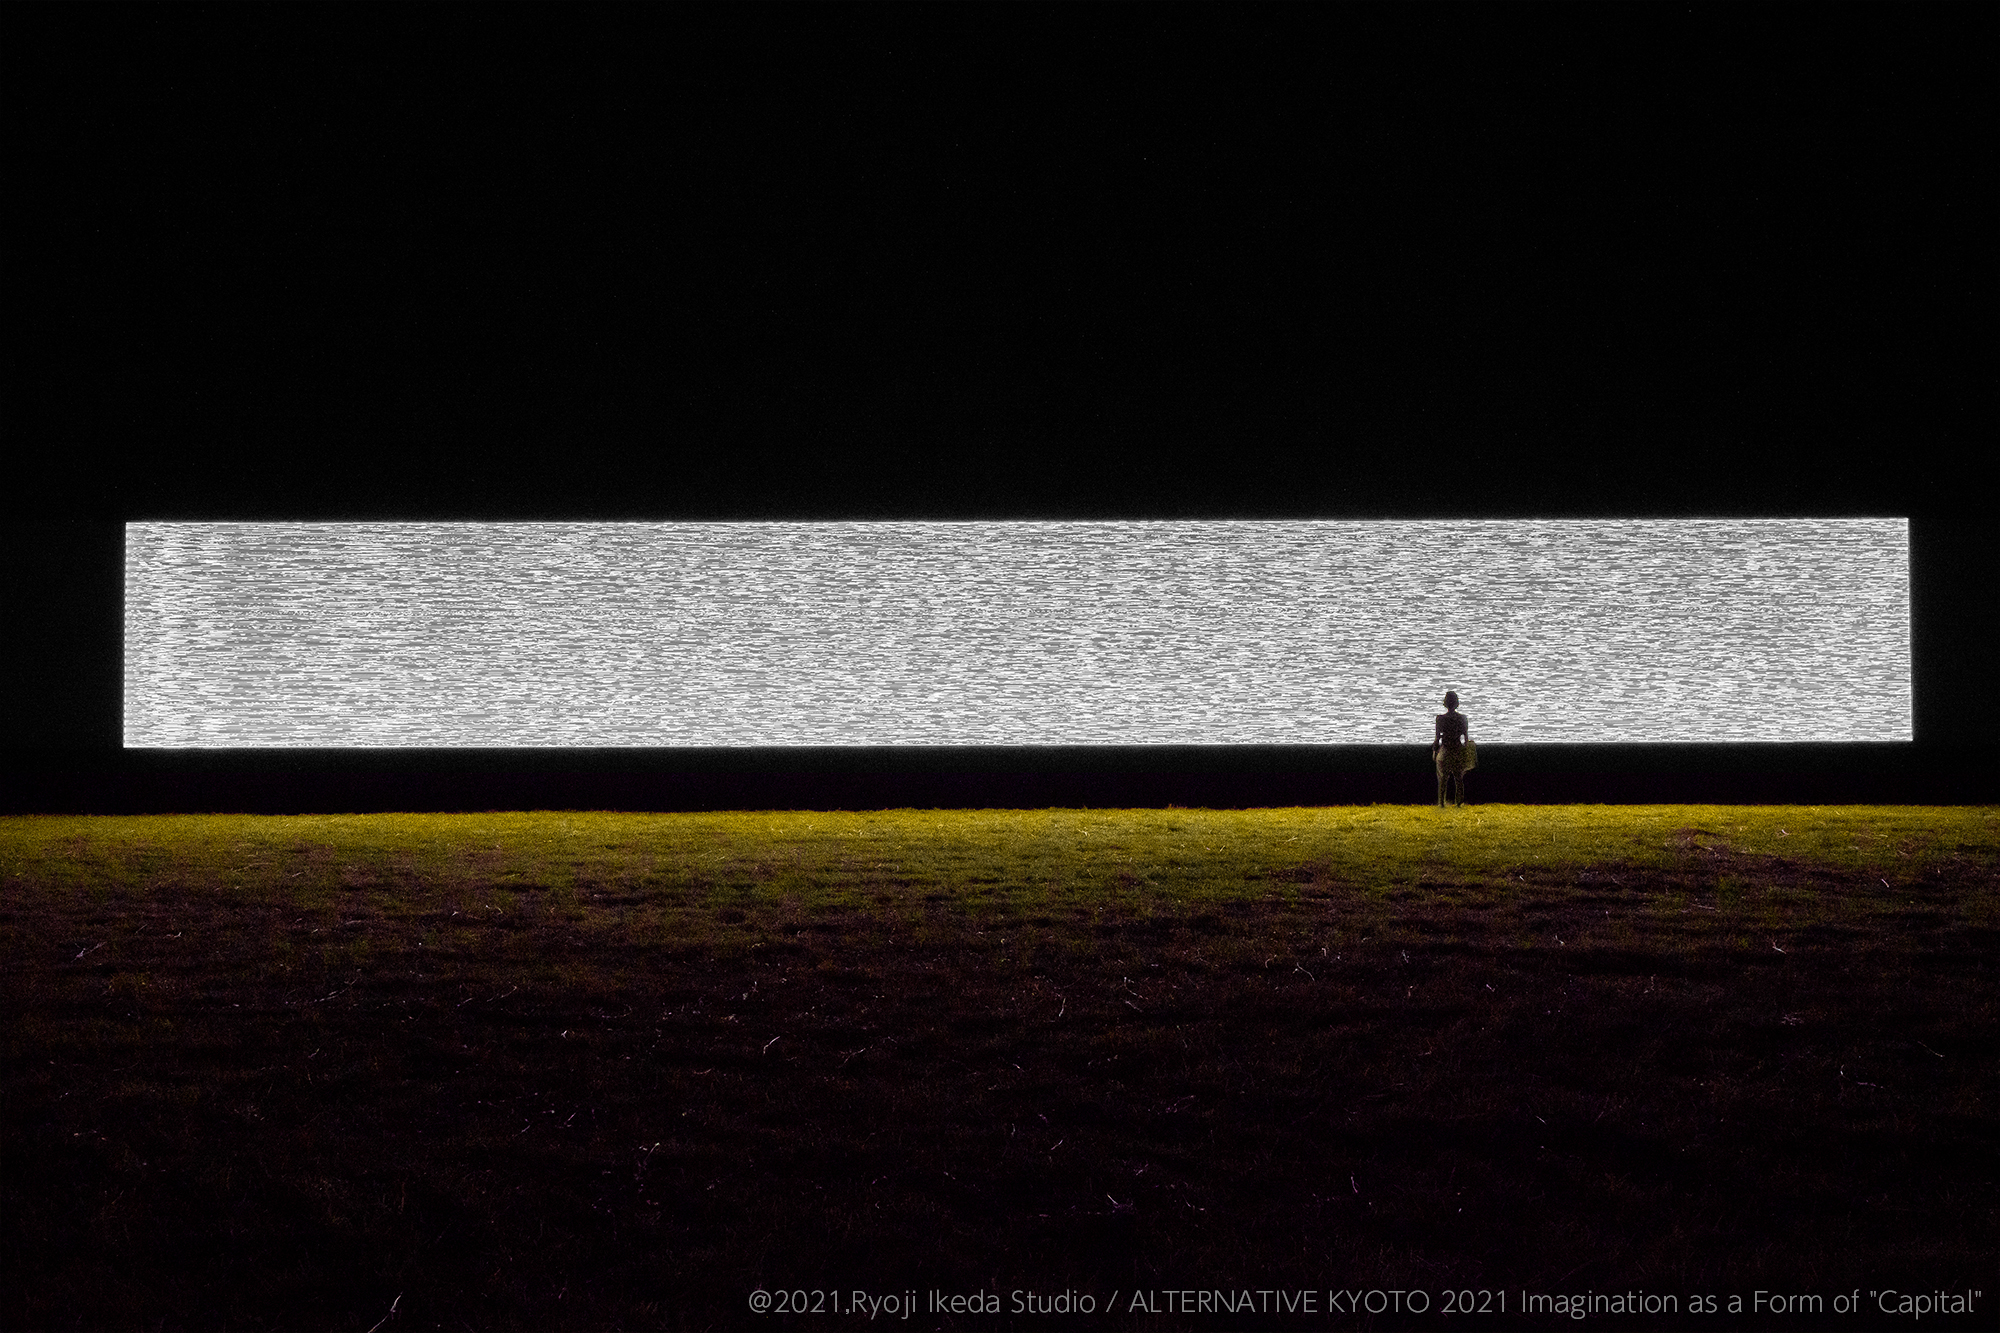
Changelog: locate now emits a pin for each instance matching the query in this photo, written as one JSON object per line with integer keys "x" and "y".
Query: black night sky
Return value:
{"x": 1421, "y": 261}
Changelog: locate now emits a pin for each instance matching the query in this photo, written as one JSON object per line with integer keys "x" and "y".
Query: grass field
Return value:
{"x": 566, "y": 1070}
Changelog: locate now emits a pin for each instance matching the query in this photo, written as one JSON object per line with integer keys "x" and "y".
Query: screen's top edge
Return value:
{"x": 982, "y": 523}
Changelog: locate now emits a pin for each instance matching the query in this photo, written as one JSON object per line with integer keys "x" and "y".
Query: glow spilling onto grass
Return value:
{"x": 1112, "y": 633}
{"x": 816, "y": 857}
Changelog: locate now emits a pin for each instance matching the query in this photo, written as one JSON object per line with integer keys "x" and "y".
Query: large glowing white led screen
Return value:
{"x": 1053, "y": 633}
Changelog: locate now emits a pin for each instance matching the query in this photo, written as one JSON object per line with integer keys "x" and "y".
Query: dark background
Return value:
{"x": 1124, "y": 261}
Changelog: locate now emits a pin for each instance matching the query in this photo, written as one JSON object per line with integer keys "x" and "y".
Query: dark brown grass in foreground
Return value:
{"x": 537, "y": 1071}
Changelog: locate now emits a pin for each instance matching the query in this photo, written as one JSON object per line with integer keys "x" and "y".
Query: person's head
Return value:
{"x": 1450, "y": 701}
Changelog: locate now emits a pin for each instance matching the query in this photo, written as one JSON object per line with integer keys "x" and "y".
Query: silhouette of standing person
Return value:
{"x": 1449, "y": 748}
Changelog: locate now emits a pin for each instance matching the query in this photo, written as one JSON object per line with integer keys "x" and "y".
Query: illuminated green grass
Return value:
{"x": 594, "y": 1070}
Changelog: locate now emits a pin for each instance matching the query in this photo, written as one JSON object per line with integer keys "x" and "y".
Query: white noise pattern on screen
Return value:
{"x": 1059, "y": 633}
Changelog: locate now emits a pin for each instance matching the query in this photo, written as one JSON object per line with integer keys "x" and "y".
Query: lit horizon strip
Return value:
{"x": 595, "y": 635}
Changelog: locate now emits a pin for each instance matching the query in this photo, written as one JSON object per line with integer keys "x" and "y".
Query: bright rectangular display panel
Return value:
{"x": 1014, "y": 633}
